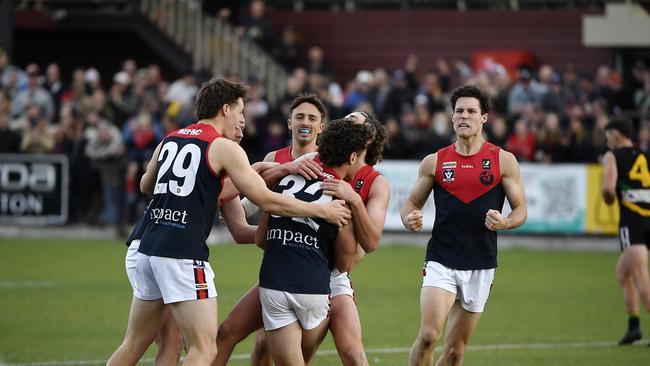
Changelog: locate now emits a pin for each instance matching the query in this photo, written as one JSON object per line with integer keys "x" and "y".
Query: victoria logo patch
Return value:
{"x": 447, "y": 175}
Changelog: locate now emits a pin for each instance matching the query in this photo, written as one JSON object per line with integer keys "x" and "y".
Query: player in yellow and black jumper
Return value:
{"x": 627, "y": 178}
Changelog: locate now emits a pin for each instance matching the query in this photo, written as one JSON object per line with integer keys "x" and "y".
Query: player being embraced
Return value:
{"x": 299, "y": 253}
{"x": 367, "y": 193}
{"x": 306, "y": 121}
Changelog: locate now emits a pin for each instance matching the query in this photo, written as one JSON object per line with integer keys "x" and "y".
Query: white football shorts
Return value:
{"x": 472, "y": 287}
{"x": 281, "y": 308}
{"x": 172, "y": 279}
{"x": 340, "y": 284}
{"x": 131, "y": 261}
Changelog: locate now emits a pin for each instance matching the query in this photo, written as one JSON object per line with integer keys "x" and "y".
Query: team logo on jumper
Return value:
{"x": 359, "y": 184}
{"x": 447, "y": 175}
{"x": 487, "y": 177}
{"x": 486, "y": 164}
{"x": 449, "y": 165}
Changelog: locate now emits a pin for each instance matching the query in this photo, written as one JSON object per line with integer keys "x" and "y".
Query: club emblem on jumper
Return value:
{"x": 486, "y": 164}
{"x": 359, "y": 184}
{"x": 447, "y": 175}
{"x": 487, "y": 177}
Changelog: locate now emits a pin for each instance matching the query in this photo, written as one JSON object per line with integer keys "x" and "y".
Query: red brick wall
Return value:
{"x": 383, "y": 38}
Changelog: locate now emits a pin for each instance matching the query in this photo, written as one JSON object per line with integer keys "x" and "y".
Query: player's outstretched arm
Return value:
{"x": 149, "y": 177}
{"x": 229, "y": 192}
{"x": 227, "y": 155}
{"x": 514, "y": 189}
{"x": 610, "y": 175}
{"x": 410, "y": 212}
{"x": 368, "y": 219}
{"x": 235, "y": 218}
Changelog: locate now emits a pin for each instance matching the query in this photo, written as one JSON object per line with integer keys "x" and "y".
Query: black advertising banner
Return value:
{"x": 33, "y": 189}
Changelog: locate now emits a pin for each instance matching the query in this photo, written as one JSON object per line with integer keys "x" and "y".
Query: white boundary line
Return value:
{"x": 370, "y": 351}
{"x": 9, "y": 284}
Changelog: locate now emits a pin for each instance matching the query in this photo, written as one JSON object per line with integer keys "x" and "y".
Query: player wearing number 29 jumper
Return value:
{"x": 299, "y": 253}
{"x": 469, "y": 179}
{"x": 627, "y": 177}
{"x": 185, "y": 176}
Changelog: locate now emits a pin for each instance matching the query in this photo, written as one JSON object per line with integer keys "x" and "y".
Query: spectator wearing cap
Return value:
{"x": 106, "y": 150}
{"x": 93, "y": 80}
{"x": 358, "y": 90}
{"x": 524, "y": 93}
{"x": 34, "y": 94}
{"x": 183, "y": 90}
{"x": 553, "y": 99}
{"x": 121, "y": 104}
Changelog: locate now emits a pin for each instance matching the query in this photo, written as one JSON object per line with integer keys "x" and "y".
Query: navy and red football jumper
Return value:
{"x": 185, "y": 196}
{"x": 362, "y": 182}
{"x": 298, "y": 252}
{"x": 465, "y": 188}
{"x": 283, "y": 155}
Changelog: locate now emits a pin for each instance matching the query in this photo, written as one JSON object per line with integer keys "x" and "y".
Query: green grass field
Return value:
{"x": 67, "y": 302}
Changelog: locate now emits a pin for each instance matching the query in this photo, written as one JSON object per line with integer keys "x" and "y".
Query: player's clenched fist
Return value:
{"x": 494, "y": 220}
{"x": 414, "y": 220}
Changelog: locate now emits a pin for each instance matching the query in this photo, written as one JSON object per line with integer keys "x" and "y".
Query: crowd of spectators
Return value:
{"x": 109, "y": 125}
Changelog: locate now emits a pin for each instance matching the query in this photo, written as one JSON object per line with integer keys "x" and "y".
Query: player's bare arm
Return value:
{"x": 514, "y": 190}
{"x": 411, "y": 213}
{"x": 610, "y": 175}
{"x": 233, "y": 215}
{"x": 260, "y": 234}
{"x": 368, "y": 219}
{"x": 149, "y": 177}
{"x": 228, "y": 192}
{"x": 305, "y": 167}
{"x": 227, "y": 155}
{"x": 346, "y": 248}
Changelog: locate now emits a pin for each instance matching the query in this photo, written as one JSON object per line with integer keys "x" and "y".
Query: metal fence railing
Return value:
{"x": 214, "y": 45}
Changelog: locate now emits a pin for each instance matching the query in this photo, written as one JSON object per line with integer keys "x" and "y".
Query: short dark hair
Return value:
{"x": 622, "y": 125}
{"x": 375, "y": 150}
{"x": 214, "y": 94}
{"x": 471, "y": 91}
{"x": 340, "y": 138}
{"x": 310, "y": 98}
